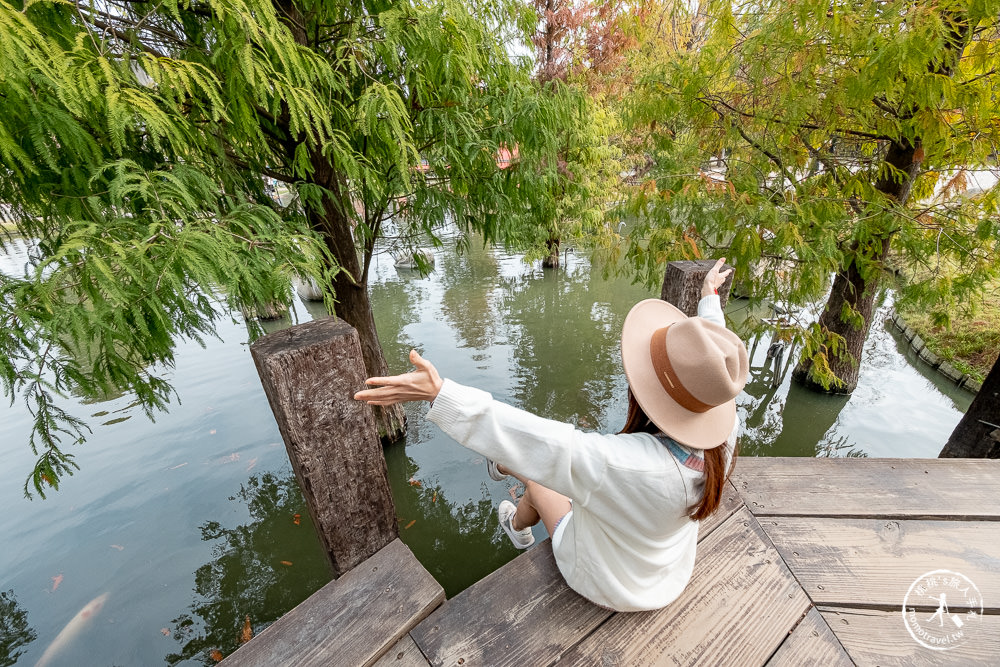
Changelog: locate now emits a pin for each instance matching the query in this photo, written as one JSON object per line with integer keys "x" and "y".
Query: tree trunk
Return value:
{"x": 353, "y": 305}
{"x": 310, "y": 373}
{"x": 352, "y": 302}
{"x": 978, "y": 434}
{"x": 850, "y": 288}
{"x": 552, "y": 261}
{"x": 850, "y": 291}
{"x": 682, "y": 282}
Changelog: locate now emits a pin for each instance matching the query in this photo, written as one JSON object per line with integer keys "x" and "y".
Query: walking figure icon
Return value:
{"x": 941, "y": 610}
{"x": 965, "y": 614}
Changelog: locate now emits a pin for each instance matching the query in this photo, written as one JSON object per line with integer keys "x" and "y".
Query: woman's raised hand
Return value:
{"x": 423, "y": 384}
{"x": 714, "y": 278}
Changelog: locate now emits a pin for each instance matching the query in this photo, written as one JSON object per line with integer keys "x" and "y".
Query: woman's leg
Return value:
{"x": 538, "y": 502}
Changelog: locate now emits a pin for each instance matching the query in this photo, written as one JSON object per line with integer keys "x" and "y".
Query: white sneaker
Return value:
{"x": 523, "y": 538}
{"x": 494, "y": 471}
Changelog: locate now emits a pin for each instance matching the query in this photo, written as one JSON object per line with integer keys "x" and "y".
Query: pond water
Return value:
{"x": 193, "y": 524}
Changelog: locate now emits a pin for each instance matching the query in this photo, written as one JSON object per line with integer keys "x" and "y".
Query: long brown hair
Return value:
{"x": 716, "y": 474}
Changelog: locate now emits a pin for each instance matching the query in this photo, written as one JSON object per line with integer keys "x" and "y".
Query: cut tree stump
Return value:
{"x": 310, "y": 373}
{"x": 682, "y": 284}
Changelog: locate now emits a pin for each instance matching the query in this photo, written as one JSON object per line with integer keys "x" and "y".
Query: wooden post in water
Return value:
{"x": 682, "y": 284}
{"x": 310, "y": 373}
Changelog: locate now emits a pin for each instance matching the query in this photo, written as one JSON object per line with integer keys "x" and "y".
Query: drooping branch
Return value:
{"x": 710, "y": 102}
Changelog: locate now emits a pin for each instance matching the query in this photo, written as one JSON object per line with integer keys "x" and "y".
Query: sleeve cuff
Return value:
{"x": 446, "y": 407}
{"x": 712, "y": 301}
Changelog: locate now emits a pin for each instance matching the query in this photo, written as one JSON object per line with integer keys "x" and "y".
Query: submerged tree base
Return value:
{"x": 805, "y": 377}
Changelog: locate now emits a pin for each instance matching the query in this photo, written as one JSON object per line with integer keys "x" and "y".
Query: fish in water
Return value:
{"x": 72, "y": 629}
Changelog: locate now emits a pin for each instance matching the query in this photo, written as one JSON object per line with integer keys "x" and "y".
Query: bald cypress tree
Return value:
{"x": 135, "y": 138}
{"x": 825, "y": 149}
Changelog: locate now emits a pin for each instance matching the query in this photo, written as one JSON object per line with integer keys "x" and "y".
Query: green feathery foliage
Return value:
{"x": 567, "y": 179}
{"x": 806, "y": 141}
{"x": 141, "y": 228}
{"x": 134, "y": 143}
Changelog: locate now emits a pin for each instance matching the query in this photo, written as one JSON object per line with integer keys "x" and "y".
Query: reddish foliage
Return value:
{"x": 580, "y": 37}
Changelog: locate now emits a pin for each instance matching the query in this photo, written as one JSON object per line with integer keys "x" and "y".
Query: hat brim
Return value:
{"x": 700, "y": 430}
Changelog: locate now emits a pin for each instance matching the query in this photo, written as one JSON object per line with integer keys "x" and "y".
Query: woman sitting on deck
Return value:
{"x": 622, "y": 509}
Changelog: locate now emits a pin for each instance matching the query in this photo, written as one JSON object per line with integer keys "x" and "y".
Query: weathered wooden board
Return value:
{"x": 850, "y": 487}
{"x": 811, "y": 644}
{"x": 405, "y": 653}
{"x": 873, "y": 562}
{"x": 352, "y": 620}
{"x": 873, "y": 637}
{"x": 682, "y": 281}
{"x": 740, "y": 605}
{"x": 522, "y": 614}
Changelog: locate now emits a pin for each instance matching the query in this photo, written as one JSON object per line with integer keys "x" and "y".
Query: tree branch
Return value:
{"x": 805, "y": 126}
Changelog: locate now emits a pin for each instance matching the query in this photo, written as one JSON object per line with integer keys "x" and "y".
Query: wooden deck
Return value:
{"x": 807, "y": 563}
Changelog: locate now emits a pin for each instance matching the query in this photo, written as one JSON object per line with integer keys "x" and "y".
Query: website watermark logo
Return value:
{"x": 957, "y": 609}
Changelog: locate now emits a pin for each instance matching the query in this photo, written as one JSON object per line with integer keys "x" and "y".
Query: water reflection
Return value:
{"x": 260, "y": 569}
{"x": 565, "y": 345}
{"x": 471, "y": 312}
{"x": 774, "y": 409}
{"x": 15, "y": 633}
{"x": 398, "y": 305}
{"x": 266, "y": 566}
{"x": 458, "y": 543}
{"x": 775, "y": 427}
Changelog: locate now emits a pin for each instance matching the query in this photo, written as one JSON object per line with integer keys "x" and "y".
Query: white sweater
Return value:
{"x": 629, "y": 543}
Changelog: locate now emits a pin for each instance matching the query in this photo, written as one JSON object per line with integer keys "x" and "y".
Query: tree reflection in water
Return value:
{"x": 773, "y": 425}
{"x": 459, "y": 544}
{"x": 268, "y": 565}
{"x": 260, "y": 569}
{"x": 15, "y": 633}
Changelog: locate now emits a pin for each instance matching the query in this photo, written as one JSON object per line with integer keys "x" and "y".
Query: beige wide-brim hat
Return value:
{"x": 685, "y": 372}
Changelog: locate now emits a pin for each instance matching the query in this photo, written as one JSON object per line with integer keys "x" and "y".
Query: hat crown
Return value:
{"x": 710, "y": 361}
{"x": 693, "y": 403}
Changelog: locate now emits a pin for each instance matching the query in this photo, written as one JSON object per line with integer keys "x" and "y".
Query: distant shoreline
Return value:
{"x": 968, "y": 381}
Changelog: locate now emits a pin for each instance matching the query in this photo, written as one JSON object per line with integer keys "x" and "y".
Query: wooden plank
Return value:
{"x": 352, "y": 620}
{"x": 873, "y": 562}
{"x": 542, "y": 615}
{"x": 405, "y": 653}
{"x": 849, "y": 487}
{"x": 811, "y": 644}
{"x": 874, "y": 637}
{"x": 740, "y": 605}
{"x": 522, "y": 614}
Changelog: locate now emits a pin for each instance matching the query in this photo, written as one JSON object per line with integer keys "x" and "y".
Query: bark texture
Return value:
{"x": 552, "y": 260}
{"x": 682, "y": 282}
{"x": 851, "y": 291}
{"x": 310, "y": 373}
{"x": 978, "y": 433}
{"x": 353, "y": 304}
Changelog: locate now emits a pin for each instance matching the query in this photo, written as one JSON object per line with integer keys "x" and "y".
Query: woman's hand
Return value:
{"x": 422, "y": 384}
{"x": 714, "y": 278}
